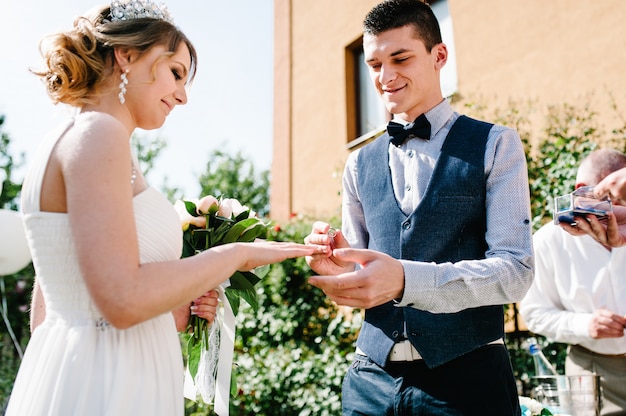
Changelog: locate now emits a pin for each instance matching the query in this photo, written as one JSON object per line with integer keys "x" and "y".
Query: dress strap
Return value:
{"x": 31, "y": 188}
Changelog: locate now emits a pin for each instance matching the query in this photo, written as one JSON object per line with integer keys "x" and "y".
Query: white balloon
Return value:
{"x": 14, "y": 251}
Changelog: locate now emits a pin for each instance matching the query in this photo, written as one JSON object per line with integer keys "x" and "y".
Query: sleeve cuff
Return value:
{"x": 580, "y": 325}
{"x": 419, "y": 280}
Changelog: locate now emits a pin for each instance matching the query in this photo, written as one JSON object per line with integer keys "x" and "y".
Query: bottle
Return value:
{"x": 542, "y": 365}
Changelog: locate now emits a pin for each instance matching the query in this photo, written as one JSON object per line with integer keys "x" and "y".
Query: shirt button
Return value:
{"x": 409, "y": 153}
{"x": 408, "y": 187}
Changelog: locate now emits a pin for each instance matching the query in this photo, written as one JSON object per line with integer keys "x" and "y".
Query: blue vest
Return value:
{"x": 449, "y": 225}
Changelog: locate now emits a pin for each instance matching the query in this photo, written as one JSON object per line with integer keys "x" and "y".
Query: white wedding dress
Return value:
{"x": 76, "y": 363}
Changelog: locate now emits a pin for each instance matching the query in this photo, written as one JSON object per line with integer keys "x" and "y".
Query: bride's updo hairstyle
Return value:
{"x": 77, "y": 62}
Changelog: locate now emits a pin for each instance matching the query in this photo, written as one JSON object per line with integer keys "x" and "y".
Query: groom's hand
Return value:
{"x": 379, "y": 280}
{"x": 327, "y": 238}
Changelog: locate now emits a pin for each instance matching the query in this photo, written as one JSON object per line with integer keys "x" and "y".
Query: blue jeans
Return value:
{"x": 480, "y": 383}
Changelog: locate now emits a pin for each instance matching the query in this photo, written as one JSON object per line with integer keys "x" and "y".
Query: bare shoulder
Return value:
{"x": 96, "y": 142}
{"x": 93, "y": 133}
{"x": 98, "y": 126}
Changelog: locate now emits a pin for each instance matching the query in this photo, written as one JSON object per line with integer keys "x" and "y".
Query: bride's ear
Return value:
{"x": 124, "y": 56}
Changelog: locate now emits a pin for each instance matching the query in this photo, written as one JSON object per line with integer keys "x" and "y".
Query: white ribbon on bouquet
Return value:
{"x": 211, "y": 385}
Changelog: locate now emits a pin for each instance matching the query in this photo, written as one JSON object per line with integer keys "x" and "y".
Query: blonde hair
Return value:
{"x": 79, "y": 60}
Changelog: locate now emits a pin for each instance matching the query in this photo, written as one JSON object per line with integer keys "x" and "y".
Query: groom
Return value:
{"x": 437, "y": 211}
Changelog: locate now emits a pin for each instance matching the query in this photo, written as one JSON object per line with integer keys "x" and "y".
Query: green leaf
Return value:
{"x": 188, "y": 249}
{"x": 262, "y": 271}
{"x": 242, "y": 284}
{"x": 191, "y": 208}
{"x": 242, "y": 216}
{"x": 201, "y": 239}
{"x": 251, "y": 277}
{"x": 213, "y": 210}
{"x": 233, "y": 299}
{"x": 193, "y": 355}
{"x": 235, "y": 232}
{"x": 233, "y": 387}
{"x": 250, "y": 297}
{"x": 220, "y": 232}
{"x": 253, "y": 232}
{"x": 243, "y": 280}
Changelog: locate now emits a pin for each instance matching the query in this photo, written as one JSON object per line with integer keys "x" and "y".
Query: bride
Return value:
{"x": 106, "y": 246}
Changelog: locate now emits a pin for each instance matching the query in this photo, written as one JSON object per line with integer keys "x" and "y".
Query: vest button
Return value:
{"x": 406, "y": 225}
{"x": 395, "y": 334}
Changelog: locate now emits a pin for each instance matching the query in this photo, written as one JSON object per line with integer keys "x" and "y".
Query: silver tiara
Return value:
{"x": 136, "y": 9}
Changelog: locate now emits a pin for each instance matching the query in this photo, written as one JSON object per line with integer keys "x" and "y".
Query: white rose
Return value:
{"x": 231, "y": 206}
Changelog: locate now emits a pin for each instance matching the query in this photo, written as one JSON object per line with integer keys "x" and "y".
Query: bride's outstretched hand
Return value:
{"x": 261, "y": 252}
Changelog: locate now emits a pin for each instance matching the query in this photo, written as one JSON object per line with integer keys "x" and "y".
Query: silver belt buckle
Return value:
{"x": 404, "y": 351}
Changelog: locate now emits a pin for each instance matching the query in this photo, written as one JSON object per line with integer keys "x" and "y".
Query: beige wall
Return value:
{"x": 552, "y": 51}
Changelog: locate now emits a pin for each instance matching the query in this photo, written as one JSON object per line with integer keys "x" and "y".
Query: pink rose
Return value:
{"x": 186, "y": 218}
{"x": 205, "y": 203}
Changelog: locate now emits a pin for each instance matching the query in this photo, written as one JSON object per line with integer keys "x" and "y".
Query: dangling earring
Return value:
{"x": 123, "y": 84}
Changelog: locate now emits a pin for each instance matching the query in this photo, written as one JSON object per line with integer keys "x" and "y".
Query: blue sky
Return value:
{"x": 230, "y": 102}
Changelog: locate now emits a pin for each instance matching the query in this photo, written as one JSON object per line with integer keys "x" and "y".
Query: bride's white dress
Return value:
{"x": 76, "y": 363}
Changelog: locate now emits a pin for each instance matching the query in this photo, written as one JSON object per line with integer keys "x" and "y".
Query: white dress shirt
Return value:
{"x": 574, "y": 276}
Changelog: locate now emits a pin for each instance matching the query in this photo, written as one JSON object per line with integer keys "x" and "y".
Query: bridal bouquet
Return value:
{"x": 209, "y": 222}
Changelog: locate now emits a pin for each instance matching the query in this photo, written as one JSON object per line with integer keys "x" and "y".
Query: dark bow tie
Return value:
{"x": 399, "y": 133}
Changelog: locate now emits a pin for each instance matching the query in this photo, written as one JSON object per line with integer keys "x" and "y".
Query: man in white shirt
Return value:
{"x": 578, "y": 296}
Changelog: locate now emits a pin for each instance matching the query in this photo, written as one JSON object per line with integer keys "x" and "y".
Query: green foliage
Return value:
{"x": 14, "y": 289}
{"x": 570, "y": 133}
{"x": 15, "y": 292}
{"x": 235, "y": 177}
{"x": 147, "y": 150}
{"x": 570, "y": 136}
{"x": 10, "y": 190}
